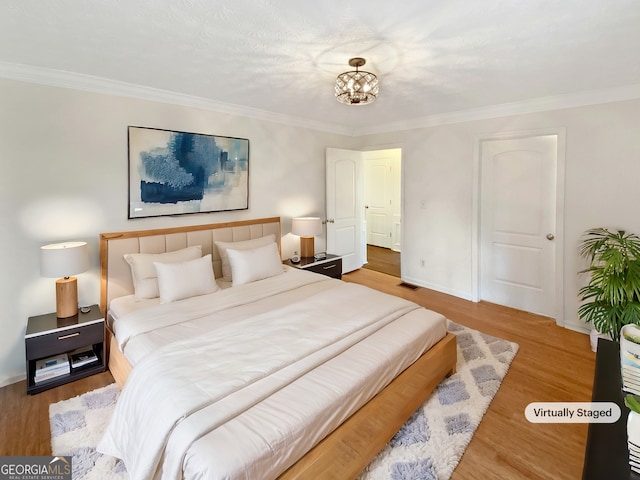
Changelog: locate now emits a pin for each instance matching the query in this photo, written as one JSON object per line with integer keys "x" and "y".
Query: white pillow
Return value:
{"x": 180, "y": 280}
{"x": 251, "y": 265}
{"x": 243, "y": 245}
{"x": 143, "y": 272}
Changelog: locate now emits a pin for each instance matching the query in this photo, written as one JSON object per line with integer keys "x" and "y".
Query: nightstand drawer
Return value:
{"x": 332, "y": 268}
{"x": 64, "y": 340}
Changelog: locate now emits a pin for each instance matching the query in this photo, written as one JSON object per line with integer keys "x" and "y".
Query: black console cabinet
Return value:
{"x": 606, "y": 455}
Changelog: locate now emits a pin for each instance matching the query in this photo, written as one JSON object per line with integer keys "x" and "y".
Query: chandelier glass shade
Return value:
{"x": 356, "y": 87}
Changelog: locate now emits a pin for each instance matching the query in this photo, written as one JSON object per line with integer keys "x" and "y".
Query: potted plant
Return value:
{"x": 612, "y": 296}
{"x": 633, "y": 426}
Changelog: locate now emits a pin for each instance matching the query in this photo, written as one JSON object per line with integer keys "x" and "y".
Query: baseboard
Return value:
{"x": 12, "y": 380}
{"x": 577, "y": 327}
{"x": 437, "y": 288}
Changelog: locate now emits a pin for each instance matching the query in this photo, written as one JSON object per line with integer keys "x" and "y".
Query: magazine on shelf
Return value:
{"x": 57, "y": 363}
{"x": 51, "y": 376}
{"x": 82, "y": 356}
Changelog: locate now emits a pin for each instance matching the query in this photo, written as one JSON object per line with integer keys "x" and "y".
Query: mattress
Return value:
{"x": 242, "y": 382}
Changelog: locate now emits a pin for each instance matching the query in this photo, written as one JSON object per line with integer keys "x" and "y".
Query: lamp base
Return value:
{"x": 66, "y": 297}
{"x": 306, "y": 247}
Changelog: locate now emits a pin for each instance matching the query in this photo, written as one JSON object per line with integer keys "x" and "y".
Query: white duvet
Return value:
{"x": 242, "y": 382}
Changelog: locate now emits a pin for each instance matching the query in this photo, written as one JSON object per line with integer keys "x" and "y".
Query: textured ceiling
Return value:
{"x": 282, "y": 56}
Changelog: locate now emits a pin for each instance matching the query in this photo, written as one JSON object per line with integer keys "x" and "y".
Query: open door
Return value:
{"x": 345, "y": 211}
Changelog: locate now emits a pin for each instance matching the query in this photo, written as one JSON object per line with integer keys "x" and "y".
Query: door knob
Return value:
{"x": 329, "y": 220}
{"x": 550, "y": 236}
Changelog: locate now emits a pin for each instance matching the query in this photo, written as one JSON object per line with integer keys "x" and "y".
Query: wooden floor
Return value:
{"x": 24, "y": 423}
{"x": 383, "y": 260}
{"x": 553, "y": 364}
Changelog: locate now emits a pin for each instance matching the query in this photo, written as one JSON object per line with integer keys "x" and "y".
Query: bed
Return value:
{"x": 273, "y": 372}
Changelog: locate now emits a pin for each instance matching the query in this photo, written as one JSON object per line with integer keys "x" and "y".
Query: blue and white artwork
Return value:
{"x": 173, "y": 173}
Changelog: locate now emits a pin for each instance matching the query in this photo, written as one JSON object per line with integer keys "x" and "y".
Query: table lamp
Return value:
{"x": 64, "y": 260}
{"x": 306, "y": 228}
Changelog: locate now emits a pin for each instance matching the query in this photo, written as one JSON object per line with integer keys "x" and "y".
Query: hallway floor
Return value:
{"x": 383, "y": 260}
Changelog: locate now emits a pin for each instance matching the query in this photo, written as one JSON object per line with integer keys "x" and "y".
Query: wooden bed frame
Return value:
{"x": 348, "y": 449}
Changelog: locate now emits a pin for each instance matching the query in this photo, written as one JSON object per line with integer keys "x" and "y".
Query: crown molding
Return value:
{"x": 63, "y": 79}
{"x": 89, "y": 83}
{"x": 543, "y": 104}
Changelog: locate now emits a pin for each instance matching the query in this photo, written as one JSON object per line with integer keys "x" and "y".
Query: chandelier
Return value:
{"x": 356, "y": 87}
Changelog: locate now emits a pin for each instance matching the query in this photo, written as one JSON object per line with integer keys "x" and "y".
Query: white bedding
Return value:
{"x": 294, "y": 355}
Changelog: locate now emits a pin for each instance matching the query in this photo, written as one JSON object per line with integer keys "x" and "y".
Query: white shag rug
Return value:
{"x": 428, "y": 447}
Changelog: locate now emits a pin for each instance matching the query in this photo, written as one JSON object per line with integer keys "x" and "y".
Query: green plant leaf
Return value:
{"x": 632, "y": 402}
{"x": 611, "y": 299}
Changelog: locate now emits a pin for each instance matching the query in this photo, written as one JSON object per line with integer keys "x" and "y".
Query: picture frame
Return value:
{"x": 175, "y": 173}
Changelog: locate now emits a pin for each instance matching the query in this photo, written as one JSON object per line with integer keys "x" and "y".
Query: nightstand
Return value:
{"x": 330, "y": 266}
{"x": 48, "y": 336}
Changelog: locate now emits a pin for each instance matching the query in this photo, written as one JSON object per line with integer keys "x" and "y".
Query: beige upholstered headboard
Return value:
{"x": 115, "y": 274}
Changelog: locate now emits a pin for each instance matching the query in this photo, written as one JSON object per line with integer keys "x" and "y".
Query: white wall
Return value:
{"x": 602, "y": 188}
{"x": 64, "y": 177}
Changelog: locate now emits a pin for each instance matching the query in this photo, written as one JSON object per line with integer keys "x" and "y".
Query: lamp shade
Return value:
{"x": 306, "y": 226}
{"x": 64, "y": 259}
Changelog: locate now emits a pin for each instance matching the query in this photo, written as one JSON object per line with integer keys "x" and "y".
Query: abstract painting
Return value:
{"x": 172, "y": 173}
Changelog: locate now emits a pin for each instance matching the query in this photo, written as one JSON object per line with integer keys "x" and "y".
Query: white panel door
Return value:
{"x": 377, "y": 201}
{"x": 345, "y": 219}
{"x": 396, "y": 196}
{"x": 517, "y": 238}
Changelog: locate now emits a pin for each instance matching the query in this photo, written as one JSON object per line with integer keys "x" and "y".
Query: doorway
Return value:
{"x": 519, "y": 219}
{"x": 383, "y": 214}
{"x": 346, "y": 221}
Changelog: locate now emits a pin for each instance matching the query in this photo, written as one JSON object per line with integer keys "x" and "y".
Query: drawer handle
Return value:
{"x": 64, "y": 337}
{"x": 330, "y": 266}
